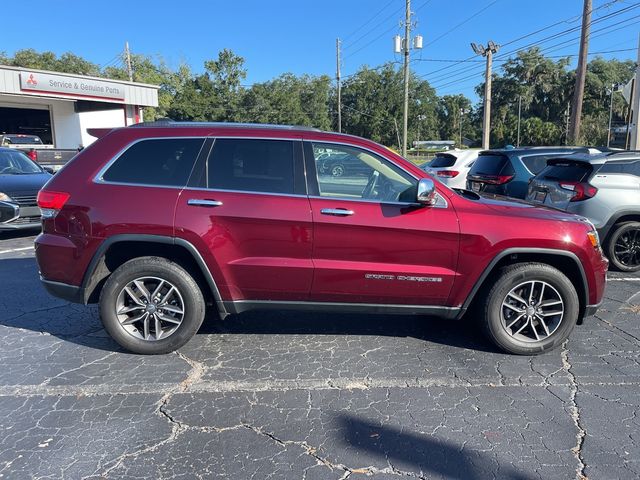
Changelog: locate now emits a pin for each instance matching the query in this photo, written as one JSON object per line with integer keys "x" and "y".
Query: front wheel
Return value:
{"x": 531, "y": 309}
{"x": 623, "y": 248}
{"x": 150, "y": 305}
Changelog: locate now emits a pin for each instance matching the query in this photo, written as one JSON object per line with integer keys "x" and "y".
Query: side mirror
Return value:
{"x": 426, "y": 194}
{"x": 49, "y": 170}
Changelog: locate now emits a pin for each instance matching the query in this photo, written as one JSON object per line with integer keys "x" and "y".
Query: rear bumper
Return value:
{"x": 70, "y": 293}
{"x": 591, "y": 310}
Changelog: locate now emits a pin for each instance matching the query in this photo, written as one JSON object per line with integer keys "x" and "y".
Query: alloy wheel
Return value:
{"x": 532, "y": 311}
{"x": 627, "y": 248}
{"x": 150, "y": 308}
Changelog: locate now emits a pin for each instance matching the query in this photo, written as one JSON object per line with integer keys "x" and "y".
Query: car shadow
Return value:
{"x": 27, "y": 305}
{"x": 464, "y": 333}
{"x": 426, "y": 455}
{"x": 13, "y": 234}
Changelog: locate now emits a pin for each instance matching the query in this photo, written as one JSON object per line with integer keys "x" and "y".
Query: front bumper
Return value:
{"x": 16, "y": 217}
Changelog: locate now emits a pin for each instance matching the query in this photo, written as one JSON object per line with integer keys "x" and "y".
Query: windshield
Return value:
{"x": 21, "y": 140}
{"x": 16, "y": 163}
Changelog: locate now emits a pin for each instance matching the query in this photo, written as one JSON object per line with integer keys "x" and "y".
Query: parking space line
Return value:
{"x": 16, "y": 250}
{"x": 625, "y": 279}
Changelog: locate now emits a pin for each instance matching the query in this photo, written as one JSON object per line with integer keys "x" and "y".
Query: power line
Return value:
{"x": 486, "y": 7}
{"x": 465, "y": 71}
{"x": 373, "y": 29}
{"x": 504, "y": 44}
{"x": 368, "y": 21}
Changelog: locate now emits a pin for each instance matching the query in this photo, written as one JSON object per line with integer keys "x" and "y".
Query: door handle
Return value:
{"x": 196, "y": 202}
{"x": 337, "y": 212}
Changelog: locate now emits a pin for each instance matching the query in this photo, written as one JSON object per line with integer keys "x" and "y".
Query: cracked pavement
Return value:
{"x": 311, "y": 396}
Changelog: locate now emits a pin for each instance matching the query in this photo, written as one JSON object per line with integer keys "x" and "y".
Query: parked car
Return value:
{"x": 20, "y": 180}
{"x": 44, "y": 154}
{"x": 508, "y": 171}
{"x": 605, "y": 188}
{"x": 452, "y": 167}
{"x": 339, "y": 164}
{"x": 157, "y": 222}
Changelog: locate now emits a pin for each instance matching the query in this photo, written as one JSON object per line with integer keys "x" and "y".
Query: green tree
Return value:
{"x": 373, "y": 105}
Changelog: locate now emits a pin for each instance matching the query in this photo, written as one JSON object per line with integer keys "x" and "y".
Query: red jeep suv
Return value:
{"x": 157, "y": 222}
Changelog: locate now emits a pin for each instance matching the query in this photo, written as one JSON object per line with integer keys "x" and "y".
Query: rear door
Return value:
{"x": 370, "y": 243}
{"x": 246, "y": 208}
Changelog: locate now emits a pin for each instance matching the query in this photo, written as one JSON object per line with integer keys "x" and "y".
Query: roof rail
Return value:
{"x": 622, "y": 152}
{"x": 167, "y": 122}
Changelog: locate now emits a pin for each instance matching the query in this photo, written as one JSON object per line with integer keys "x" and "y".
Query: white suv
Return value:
{"x": 452, "y": 167}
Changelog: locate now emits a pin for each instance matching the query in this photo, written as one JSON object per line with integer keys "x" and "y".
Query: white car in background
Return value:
{"x": 451, "y": 167}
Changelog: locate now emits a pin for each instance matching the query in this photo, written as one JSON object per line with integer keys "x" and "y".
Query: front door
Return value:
{"x": 371, "y": 243}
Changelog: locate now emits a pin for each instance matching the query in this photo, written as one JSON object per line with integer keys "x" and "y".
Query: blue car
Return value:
{"x": 20, "y": 180}
{"x": 507, "y": 171}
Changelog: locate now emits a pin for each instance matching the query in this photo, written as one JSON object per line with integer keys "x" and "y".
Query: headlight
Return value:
{"x": 4, "y": 197}
{"x": 594, "y": 238}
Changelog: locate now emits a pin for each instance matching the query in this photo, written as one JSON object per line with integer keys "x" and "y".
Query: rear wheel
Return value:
{"x": 623, "y": 248}
{"x": 150, "y": 305}
{"x": 531, "y": 309}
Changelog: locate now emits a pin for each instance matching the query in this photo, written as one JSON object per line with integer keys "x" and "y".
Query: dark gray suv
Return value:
{"x": 605, "y": 188}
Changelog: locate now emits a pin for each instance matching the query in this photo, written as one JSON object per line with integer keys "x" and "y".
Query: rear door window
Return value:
{"x": 560, "y": 170}
{"x": 157, "y": 161}
{"x": 442, "y": 161}
{"x": 252, "y": 165}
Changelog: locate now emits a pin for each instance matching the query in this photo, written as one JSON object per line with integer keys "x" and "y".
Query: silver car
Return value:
{"x": 452, "y": 167}
{"x": 605, "y": 188}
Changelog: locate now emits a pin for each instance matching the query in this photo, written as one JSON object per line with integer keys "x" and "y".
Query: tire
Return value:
{"x": 163, "y": 309}
{"x": 337, "y": 170}
{"x": 501, "y": 323}
{"x": 625, "y": 236}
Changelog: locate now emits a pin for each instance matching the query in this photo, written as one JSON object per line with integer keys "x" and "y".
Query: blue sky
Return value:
{"x": 299, "y": 36}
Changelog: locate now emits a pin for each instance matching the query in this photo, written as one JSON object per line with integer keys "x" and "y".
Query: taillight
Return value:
{"x": 33, "y": 154}
{"x": 51, "y": 202}
{"x": 447, "y": 173}
{"x": 581, "y": 190}
{"x": 496, "y": 179}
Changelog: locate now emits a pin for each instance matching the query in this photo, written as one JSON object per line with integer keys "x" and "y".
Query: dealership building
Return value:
{"x": 60, "y": 107}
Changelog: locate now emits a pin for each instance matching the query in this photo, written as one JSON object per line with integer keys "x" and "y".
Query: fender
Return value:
{"x": 512, "y": 251}
{"x": 606, "y": 229}
{"x": 193, "y": 251}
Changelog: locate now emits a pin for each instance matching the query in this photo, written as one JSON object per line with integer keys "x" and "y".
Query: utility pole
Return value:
{"x": 613, "y": 89}
{"x": 519, "y": 117}
{"x": 406, "y": 45}
{"x": 460, "y": 122}
{"x": 128, "y": 58}
{"x": 486, "y": 52}
{"x": 339, "y": 86}
{"x": 634, "y": 105}
{"x": 581, "y": 72}
{"x": 567, "y": 116}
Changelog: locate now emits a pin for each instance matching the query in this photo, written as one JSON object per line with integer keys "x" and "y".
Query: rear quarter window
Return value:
{"x": 158, "y": 161}
{"x": 536, "y": 163}
{"x": 625, "y": 168}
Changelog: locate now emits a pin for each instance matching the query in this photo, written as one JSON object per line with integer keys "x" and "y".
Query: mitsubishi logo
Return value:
{"x": 32, "y": 81}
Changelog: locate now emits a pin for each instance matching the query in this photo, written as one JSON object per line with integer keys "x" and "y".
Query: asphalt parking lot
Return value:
{"x": 311, "y": 396}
